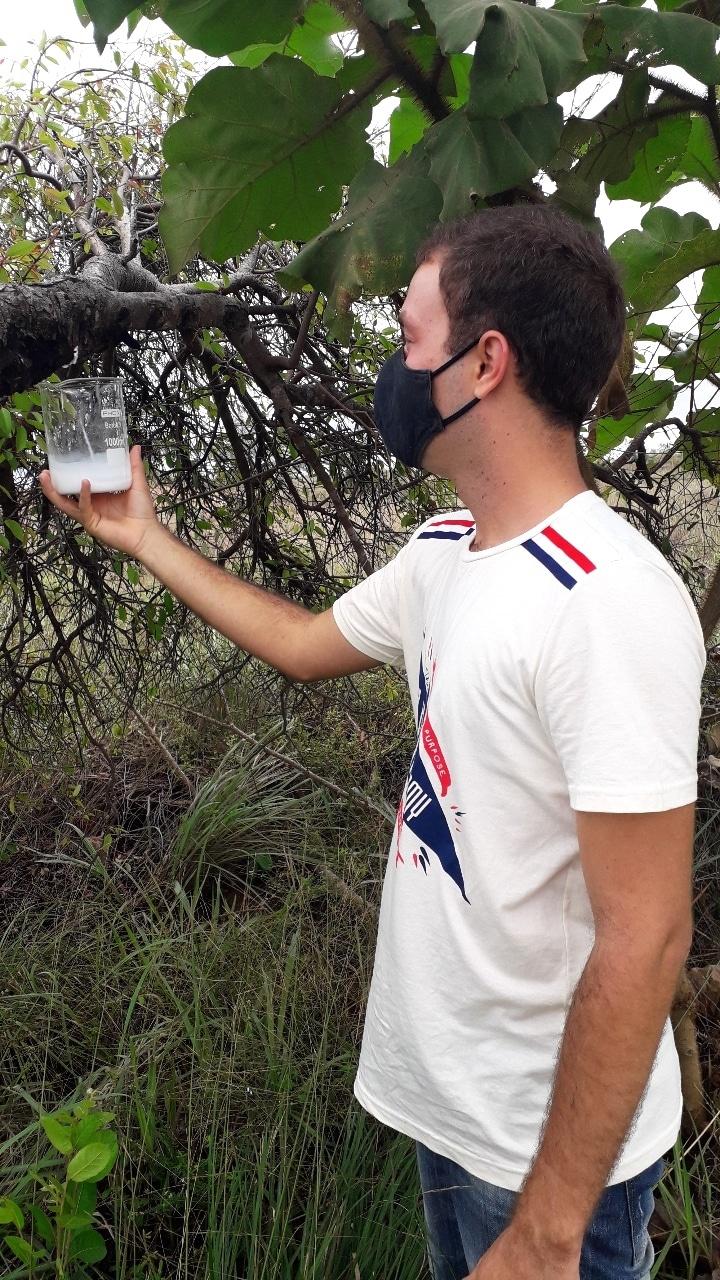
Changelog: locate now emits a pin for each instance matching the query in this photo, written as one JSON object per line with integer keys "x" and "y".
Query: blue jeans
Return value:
{"x": 464, "y": 1215}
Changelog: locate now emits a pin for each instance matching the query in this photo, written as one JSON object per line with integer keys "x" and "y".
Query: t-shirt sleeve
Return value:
{"x": 618, "y": 689}
{"x": 369, "y": 613}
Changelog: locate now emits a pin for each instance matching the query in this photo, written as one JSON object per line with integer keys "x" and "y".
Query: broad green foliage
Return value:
{"x": 470, "y": 160}
{"x": 523, "y": 55}
{"x": 215, "y": 26}
{"x": 681, "y": 149}
{"x": 64, "y": 1238}
{"x": 259, "y": 149}
{"x": 670, "y": 247}
{"x": 369, "y": 247}
{"x": 309, "y": 40}
{"x": 277, "y": 144}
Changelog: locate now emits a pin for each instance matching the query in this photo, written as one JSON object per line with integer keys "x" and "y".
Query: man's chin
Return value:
{"x": 431, "y": 459}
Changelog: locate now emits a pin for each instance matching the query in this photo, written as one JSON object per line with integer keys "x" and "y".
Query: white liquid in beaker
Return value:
{"x": 106, "y": 471}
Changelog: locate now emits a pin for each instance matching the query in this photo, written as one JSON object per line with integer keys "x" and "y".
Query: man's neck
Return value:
{"x": 503, "y": 513}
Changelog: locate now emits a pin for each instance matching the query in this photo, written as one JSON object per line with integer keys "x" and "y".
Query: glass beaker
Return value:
{"x": 86, "y": 434}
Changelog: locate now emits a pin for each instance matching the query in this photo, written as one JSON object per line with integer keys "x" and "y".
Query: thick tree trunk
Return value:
{"x": 44, "y": 328}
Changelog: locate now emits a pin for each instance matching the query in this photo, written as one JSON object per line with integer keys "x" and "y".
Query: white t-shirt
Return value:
{"x": 559, "y": 670}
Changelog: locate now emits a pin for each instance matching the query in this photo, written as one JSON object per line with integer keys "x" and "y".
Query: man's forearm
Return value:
{"x": 611, "y": 1035}
{"x": 254, "y": 618}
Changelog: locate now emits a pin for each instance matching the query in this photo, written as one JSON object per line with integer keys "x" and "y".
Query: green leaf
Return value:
{"x": 23, "y": 1250}
{"x": 82, "y": 12}
{"x": 524, "y": 56}
{"x": 253, "y": 54}
{"x": 681, "y": 149}
{"x": 57, "y": 1132}
{"x": 11, "y": 1212}
{"x": 520, "y": 48}
{"x": 106, "y": 16}
{"x": 74, "y": 1220}
{"x": 602, "y": 148}
{"x": 80, "y": 1203}
{"x": 369, "y": 249}
{"x": 133, "y": 574}
{"x": 257, "y": 150}
{"x": 22, "y": 249}
{"x": 310, "y": 39}
{"x": 654, "y": 260}
{"x": 709, "y": 292}
{"x": 469, "y": 160}
{"x": 408, "y": 123}
{"x": 218, "y": 26}
{"x": 87, "y": 1246}
{"x": 680, "y": 39}
{"x": 85, "y": 1129}
{"x": 43, "y": 1225}
{"x": 17, "y": 530}
{"x": 95, "y": 1160}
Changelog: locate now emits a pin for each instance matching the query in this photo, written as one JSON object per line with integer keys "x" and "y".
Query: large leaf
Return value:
{"x": 408, "y": 123}
{"x": 106, "y": 17}
{"x": 471, "y": 159}
{"x": 524, "y": 55}
{"x": 96, "y": 1159}
{"x": 216, "y": 26}
{"x": 680, "y": 39}
{"x": 371, "y": 247}
{"x": 669, "y": 247}
{"x": 682, "y": 149}
{"x": 602, "y": 148}
{"x": 257, "y": 150}
{"x": 87, "y": 1246}
{"x": 309, "y": 39}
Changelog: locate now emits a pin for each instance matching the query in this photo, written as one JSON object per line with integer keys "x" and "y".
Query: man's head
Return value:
{"x": 541, "y": 295}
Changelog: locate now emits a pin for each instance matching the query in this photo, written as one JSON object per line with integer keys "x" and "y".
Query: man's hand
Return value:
{"x": 514, "y": 1256}
{"x": 120, "y": 520}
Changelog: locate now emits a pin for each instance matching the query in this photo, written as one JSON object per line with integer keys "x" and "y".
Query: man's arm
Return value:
{"x": 638, "y": 872}
{"x": 302, "y": 644}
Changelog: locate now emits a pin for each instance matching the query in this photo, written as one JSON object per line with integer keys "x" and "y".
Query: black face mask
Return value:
{"x": 405, "y": 414}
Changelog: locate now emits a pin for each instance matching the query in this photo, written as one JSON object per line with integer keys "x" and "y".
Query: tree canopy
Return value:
{"x": 231, "y": 238}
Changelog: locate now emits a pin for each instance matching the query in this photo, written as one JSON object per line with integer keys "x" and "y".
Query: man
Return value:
{"x": 536, "y": 907}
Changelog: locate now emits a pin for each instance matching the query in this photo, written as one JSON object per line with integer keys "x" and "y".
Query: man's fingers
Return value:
{"x": 65, "y": 504}
{"x": 81, "y": 510}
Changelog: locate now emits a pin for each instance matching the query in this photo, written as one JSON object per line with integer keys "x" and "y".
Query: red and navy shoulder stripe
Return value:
{"x": 449, "y": 528}
{"x": 568, "y": 565}
{"x": 562, "y": 558}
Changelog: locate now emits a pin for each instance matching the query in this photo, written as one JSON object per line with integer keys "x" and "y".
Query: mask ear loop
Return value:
{"x": 459, "y": 412}
{"x": 475, "y": 400}
{"x": 458, "y": 356}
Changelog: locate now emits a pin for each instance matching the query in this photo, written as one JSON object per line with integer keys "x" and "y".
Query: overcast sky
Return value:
{"x": 22, "y": 23}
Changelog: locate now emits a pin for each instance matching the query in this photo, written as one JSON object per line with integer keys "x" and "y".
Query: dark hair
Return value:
{"x": 549, "y": 285}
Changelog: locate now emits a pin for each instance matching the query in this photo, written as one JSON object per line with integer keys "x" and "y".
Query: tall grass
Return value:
{"x": 203, "y": 965}
{"x": 225, "y": 1044}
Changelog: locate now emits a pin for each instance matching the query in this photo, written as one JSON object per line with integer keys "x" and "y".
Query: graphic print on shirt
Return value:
{"x": 420, "y": 809}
